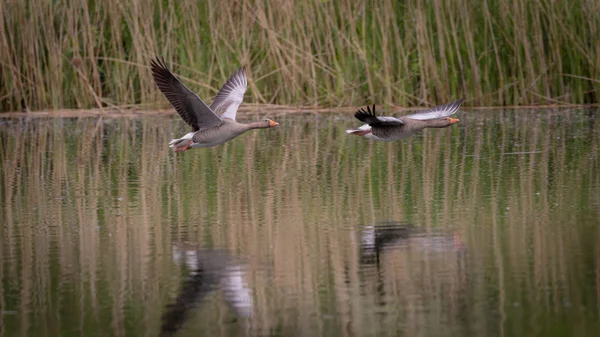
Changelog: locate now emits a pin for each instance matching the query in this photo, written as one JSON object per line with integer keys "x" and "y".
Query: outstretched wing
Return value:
{"x": 439, "y": 111}
{"x": 370, "y": 118}
{"x": 231, "y": 95}
{"x": 187, "y": 104}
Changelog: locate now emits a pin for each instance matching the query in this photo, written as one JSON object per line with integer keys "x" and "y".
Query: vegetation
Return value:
{"x": 89, "y": 54}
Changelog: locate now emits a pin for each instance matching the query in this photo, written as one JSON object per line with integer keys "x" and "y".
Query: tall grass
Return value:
{"x": 82, "y": 54}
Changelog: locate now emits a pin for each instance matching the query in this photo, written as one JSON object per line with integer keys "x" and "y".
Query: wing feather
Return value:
{"x": 187, "y": 104}
{"x": 439, "y": 111}
{"x": 370, "y": 118}
{"x": 231, "y": 95}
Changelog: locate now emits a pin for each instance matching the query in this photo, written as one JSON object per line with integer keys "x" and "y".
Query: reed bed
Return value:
{"x": 89, "y": 217}
{"x": 81, "y": 54}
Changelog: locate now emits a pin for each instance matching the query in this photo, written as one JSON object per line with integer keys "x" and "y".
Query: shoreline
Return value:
{"x": 274, "y": 110}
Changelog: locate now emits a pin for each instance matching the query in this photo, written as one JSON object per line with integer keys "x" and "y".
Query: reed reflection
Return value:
{"x": 91, "y": 208}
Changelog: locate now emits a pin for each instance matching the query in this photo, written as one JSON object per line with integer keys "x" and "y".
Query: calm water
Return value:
{"x": 488, "y": 228}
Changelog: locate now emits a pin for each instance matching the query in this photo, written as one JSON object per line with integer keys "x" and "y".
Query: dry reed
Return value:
{"x": 81, "y": 54}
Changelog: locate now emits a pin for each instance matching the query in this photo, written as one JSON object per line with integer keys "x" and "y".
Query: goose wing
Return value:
{"x": 231, "y": 95}
{"x": 187, "y": 104}
{"x": 370, "y": 118}
{"x": 439, "y": 111}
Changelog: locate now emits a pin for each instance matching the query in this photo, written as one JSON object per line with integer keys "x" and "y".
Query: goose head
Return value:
{"x": 271, "y": 123}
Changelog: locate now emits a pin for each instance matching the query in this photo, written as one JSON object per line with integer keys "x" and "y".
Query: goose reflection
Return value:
{"x": 375, "y": 238}
{"x": 208, "y": 271}
{"x": 382, "y": 236}
{"x": 401, "y": 263}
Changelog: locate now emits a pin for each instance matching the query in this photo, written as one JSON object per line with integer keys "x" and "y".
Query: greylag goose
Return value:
{"x": 392, "y": 128}
{"x": 211, "y": 126}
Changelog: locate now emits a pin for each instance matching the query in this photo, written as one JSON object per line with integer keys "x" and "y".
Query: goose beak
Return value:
{"x": 273, "y": 123}
{"x": 454, "y": 120}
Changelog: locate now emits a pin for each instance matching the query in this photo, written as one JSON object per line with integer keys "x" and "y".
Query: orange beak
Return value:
{"x": 273, "y": 123}
{"x": 454, "y": 120}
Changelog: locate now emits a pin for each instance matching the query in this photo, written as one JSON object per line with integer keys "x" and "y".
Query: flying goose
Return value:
{"x": 211, "y": 126}
{"x": 391, "y": 128}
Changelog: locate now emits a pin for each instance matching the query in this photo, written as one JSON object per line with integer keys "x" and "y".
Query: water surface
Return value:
{"x": 487, "y": 228}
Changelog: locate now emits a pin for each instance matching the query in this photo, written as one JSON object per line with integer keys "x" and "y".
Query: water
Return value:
{"x": 487, "y": 228}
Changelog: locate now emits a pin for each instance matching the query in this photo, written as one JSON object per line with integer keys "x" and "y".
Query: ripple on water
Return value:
{"x": 486, "y": 228}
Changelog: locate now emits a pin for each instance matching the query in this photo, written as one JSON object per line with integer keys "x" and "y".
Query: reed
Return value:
{"x": 82, "y": 54}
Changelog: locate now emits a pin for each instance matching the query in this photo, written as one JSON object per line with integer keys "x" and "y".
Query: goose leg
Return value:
{"x": 183, "y": 147}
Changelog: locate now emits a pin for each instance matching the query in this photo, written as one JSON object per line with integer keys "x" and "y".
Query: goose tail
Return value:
{"x": 183, "y": 143}
{"x": 361, "y": 131}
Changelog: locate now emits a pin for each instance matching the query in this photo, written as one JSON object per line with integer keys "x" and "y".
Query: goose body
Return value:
{"x": 211, "y": 126}
{"x": 386, "y": 128}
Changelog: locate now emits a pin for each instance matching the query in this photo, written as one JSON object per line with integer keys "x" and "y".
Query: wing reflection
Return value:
{"x": 390, "y": 235}
{"x": 405, "y": 256}
{"x": 375, "y": 238}
{"x": 208, "y": 271}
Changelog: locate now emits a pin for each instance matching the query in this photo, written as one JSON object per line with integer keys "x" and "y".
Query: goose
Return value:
{"x": 211, "y": 126}
{"x": 391, "y": 128}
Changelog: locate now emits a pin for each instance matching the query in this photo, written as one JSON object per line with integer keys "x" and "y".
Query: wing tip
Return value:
{"x": 238, "y": 77}
{"x": 456, "y": 105}
{"x": 361, "y": 113}
{"x": 159, "y": 69}
{"x": 158, "y": 62}
{"x": 241, "y": 72}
